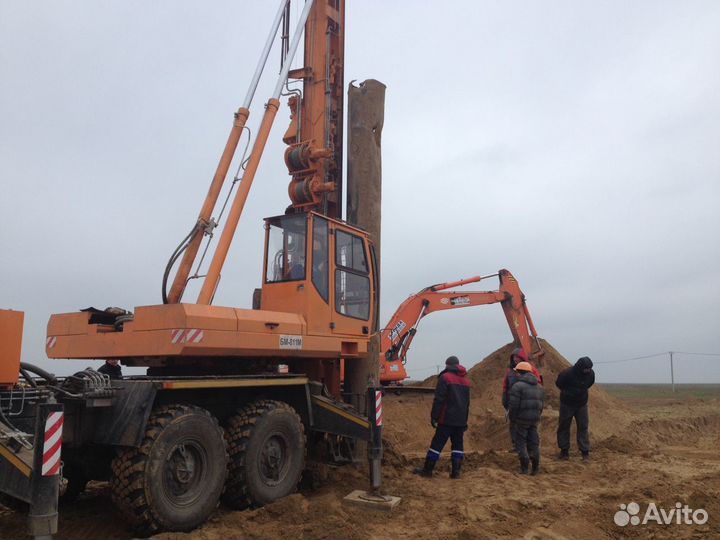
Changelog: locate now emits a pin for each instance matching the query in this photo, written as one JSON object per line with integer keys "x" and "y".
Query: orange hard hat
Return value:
{"x": 523, "y": 366}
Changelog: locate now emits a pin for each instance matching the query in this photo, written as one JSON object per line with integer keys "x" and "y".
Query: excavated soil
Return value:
{"x": 661, "y": 451}
{"x": 409, "y": 430}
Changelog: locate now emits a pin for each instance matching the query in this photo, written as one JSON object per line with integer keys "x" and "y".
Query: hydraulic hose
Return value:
{"x": 173, "y": 259}
{"x": 28, "y": 378}
{"x": 49, "y": 377}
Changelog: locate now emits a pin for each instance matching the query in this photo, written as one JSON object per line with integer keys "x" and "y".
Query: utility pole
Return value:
{"x": 366, "y": 114}
{"x": 672, "y": 372}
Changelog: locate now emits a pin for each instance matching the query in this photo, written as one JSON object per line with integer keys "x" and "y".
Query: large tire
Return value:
{"x": 266, "y": 443}
{"x": 174, "y": 480}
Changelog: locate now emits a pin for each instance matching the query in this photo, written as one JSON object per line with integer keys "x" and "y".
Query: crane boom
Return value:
{"x": 205, "y": 223}
{"x": 315, "y": 137}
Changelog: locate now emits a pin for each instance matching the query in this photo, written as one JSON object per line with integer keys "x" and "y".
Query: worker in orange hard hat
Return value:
{"x": 518, "y": 355}
{"x": 525, "y": 406}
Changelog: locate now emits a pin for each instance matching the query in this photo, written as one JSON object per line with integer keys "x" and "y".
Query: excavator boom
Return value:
{"x": 399, "y": 333}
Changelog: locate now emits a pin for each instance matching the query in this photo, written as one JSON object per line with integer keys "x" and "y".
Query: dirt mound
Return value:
{"x": 658, "y": 431}
{"x": 409, "y": 430}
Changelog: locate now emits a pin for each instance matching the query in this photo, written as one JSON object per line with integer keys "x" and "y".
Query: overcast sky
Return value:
{"x": 576, "y": 144}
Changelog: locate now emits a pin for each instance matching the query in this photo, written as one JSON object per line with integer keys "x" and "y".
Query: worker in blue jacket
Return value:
{"x": 449, "y": 417}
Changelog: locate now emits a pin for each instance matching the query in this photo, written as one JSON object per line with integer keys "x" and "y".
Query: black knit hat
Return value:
{"x": 584, "y": 363}
{"x": 452, "y": 361}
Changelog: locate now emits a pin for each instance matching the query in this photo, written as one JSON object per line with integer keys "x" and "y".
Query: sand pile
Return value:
{"x": 408, "y": 429}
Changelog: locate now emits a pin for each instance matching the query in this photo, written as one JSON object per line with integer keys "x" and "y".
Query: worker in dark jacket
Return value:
{"x": 525, "y": 406}
{"x": 518, "y": 355}
{"x": 449, "y": 417}
{"x": 574, "y": 383}
{"x": 111, "y": 368}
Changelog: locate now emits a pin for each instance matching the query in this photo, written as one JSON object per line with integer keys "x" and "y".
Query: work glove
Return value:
{"x": 433, "y": 423}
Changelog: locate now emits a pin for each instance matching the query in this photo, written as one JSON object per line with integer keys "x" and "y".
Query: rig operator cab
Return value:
{"x": 324, "y": 270}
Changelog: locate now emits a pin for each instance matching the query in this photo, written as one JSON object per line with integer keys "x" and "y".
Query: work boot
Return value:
{"x": 535, "y": 466}
{"x": 564, "y": 454}
{"x": 524, "y": 465}
{"x": 456, "y": 467}
{"x": 427, "y": 469}
{"x": 586, "y": 457}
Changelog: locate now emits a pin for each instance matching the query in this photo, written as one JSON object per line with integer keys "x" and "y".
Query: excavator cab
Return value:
{"x": 322, "y": 269}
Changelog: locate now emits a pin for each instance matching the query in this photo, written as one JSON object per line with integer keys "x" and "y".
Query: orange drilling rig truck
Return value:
{"x": 400, "y": 331}
{"x": 234, "y": 399}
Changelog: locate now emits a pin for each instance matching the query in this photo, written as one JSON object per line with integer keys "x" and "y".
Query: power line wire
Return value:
{"x": 629, "y": 359}
{"x": 654, "y": 356}
{"x": 416, "y": 370}
{"x": 634, "y": 358}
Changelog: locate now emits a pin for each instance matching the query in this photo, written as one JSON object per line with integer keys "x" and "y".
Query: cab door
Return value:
{"x": 319, "y": 313}
{"x": 352, "y": 291}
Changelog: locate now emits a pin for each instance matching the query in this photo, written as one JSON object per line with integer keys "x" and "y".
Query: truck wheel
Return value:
{"x": 173, "y": 481}
{"x": 266, "y": 443}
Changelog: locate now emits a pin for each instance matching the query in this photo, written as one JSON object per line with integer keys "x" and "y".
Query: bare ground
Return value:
{"x": 653, "y": 450}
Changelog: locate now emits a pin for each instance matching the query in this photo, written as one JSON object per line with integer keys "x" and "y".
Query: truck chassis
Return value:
{"x": 171, "y": 447}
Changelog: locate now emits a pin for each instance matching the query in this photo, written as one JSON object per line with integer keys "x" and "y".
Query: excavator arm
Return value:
{"x": 399, "y": 333}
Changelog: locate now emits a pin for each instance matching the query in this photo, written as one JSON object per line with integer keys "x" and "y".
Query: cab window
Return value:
{"x": 320, "y": 257}
{"x": 352, "y": 283}
{"x": 350, "y": 252}
{"x": 286, "y": 244}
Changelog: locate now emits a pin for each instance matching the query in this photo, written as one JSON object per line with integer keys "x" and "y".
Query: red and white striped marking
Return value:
{"x": 50, "y": 342}
{"x": 53, "y": 444}
{"x": 190, "y": 335}
{"x": 378, "y": 408}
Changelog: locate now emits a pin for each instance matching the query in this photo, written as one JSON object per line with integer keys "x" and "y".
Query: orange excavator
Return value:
{"x": 400, "y": 331}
